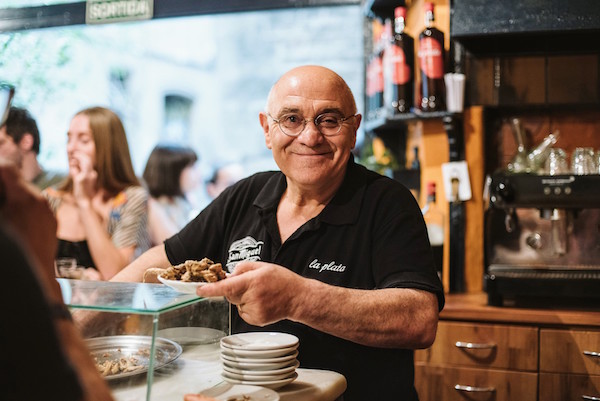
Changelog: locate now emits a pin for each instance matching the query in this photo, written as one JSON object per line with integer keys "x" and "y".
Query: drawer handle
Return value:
{"x": 590, "y": 398}
{"x": 472, "y": 389}
{"x": 467, "y": 345}
{"x": 592, "y": 354}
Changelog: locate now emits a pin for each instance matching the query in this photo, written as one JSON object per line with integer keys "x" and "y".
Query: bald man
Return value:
{"x": 323, "y": 249}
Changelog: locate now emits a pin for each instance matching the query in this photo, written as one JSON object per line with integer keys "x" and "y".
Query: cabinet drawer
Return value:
{"x": 570, "y": 351}
{"x": 439, "y": 384}
{"x": 483, "y": 345}
{"x": 563, "y": 387}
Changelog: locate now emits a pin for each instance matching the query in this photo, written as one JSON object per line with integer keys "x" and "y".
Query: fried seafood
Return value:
{"x": 195, "y": 271}
{"x": 121, "y": 365}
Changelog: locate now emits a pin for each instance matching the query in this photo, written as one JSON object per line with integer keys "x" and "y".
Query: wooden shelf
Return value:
{"x": 474, "y": 307}
{"x": 400, "y": 120}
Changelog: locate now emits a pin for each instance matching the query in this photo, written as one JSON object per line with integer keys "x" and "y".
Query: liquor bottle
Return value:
{"x": 434, "y": 220}
{"x": 369, "y": 92}
{"x": 416, "y": 163}
{"x": 415, "y": 167}
{"x": 399, "y": 67}
{"x": 431, "y": 59}
{"x": 373, "y": 71}
{"x": 378, "y": 74}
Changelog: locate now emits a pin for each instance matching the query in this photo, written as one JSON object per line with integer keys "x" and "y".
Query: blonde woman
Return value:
{"x": 101, "y": 208}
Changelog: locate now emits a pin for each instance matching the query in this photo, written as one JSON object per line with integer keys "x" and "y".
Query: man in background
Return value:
{"x": 20, "y": 143}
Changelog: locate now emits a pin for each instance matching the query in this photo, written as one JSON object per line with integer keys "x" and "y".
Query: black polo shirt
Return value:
{"x": 371, "y": 235}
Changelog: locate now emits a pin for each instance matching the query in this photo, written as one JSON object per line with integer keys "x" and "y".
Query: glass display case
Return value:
{"x": 149, "y": 341}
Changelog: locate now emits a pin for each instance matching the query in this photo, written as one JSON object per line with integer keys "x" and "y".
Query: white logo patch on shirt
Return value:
{"x": 329, "y": 266}
{"x": 243, "y": 249}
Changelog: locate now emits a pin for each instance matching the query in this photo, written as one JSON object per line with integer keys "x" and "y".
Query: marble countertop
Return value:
{"x": 198, "y": 370}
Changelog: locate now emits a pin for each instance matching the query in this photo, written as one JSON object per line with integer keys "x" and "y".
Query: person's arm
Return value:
{"x": 160, "y": 225}
{"x": 27, "y": 214}
{"x": 108, "y": 258}
{"x": 392, "y": 317}
{"x": 153, "y": 257}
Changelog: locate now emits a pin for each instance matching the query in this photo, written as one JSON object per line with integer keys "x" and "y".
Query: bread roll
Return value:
{"x": 151, "y": 275}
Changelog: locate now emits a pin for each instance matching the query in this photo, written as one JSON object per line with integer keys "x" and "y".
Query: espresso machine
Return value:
{"x": 542, "y": 240}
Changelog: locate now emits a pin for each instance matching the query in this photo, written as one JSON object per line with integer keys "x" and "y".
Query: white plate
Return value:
{"x": 192, "y": 335}
{"x": 285, "y": 369}
{"x": 258, "y": 340}
{"x": 184, "y": 287}
{"x": 286, "y": 358}
{"x": 257, "y": 353}
{"x": 272, "y": 384}
{"x": 227, "y": 391}
{"x": 256, "y": 378}
{"x": 241, "y": 365}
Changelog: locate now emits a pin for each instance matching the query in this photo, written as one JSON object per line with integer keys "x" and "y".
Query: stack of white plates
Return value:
{"x": 260, "y": 359}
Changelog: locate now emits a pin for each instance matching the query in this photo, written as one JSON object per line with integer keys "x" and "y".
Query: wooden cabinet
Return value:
{"x": 487, "y": 361}
{"x": 569, "y": 365}
{"x": 483, "y": 345}
{"x": 570, "y": 351}
{"x": 497, "y": 353}
{"x": 567, "y": 387}
{"x": 443, "y": 383}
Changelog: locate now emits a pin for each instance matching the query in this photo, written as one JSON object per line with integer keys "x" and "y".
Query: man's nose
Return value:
{"x": 311, "y": 133}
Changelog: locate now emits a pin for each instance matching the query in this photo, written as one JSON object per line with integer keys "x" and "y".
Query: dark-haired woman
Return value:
{"x": 170, "y": 173}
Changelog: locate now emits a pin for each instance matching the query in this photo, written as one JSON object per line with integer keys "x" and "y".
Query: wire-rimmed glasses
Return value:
{"x": 328, "y": 124}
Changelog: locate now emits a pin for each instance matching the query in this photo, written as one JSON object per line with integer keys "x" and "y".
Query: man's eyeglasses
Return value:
{"x": 328, "y": 124}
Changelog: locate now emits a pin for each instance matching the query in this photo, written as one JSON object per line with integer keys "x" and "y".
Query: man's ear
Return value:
{"x": 26, "y": 142}
{"x": 357, "y": 121}
{"x": 264, "y": 122}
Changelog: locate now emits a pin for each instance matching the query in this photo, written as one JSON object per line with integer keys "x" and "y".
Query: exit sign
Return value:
{"x": 107, "y": 11}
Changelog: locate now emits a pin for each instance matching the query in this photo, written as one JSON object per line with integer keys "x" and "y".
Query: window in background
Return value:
{"x": 200, "y": 80}
{"x": 177, "y": 118}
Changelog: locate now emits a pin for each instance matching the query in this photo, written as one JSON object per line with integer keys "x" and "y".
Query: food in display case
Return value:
{"x": 122, "y": 356}
{"x": 169, "y": 341}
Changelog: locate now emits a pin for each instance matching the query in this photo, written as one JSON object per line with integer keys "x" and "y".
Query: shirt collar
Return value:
{"x": 343, "y": 208}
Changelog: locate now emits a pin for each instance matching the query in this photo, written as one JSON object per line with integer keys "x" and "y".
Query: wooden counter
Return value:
{"x": 510, "y": 353}
{"x": 473, "y": 307}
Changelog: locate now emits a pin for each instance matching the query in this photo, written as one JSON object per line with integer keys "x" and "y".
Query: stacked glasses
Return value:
{"x": 584, "y": 161}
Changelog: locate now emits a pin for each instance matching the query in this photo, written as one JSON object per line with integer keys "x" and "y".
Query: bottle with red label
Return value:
{"x": 399, "y": 67}
{"x": 431, "y": 55}
{"x": 434, "y": 220}
{"x": 374, "y": 81}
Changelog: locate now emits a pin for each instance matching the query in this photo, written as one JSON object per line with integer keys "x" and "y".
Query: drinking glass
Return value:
{"x": 582, "y": 161}
{"x": 65, "y": 266}
{"x": 537, "y": 157}
{"x": 556, "y": 163}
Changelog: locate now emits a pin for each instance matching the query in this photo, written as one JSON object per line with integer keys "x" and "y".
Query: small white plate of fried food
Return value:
{"x": 188, "y": 276}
